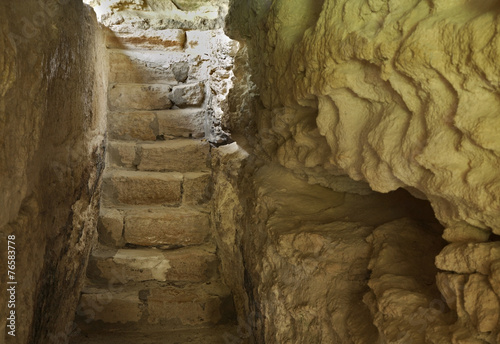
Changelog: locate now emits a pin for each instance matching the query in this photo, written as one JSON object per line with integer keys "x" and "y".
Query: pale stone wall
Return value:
{"x": 52, "y": 123}
{"x": 392, "y": 95}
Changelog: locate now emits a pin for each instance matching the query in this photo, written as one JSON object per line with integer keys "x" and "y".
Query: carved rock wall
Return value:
{"x": 393, "y": 95}
{"x": 52, "y": 123}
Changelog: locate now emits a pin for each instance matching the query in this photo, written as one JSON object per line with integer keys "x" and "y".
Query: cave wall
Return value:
{"x": 356, "y": 96}
{"x": 52, "y": 124}
{"x": 397, "y": 94}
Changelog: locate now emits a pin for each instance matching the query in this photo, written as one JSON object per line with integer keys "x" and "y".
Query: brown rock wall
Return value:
{"x": 52, "y": 103}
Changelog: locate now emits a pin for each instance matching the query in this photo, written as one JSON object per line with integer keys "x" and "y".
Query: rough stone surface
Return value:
{"x": 172, "y": 227}
{"x": 132, "y": 125}
{"x": 184, "y": 123}
{"x": 139, "y": 66}
{"x": 174, "y": 155}
{"x": 188, "y": 95}
{"x": 388, "y": 95}
{"x": 112, "y": 308}
{"x": 170, "y": 40}
{"x": 402, "y": 282}
{"x": 156, "y": 15}
{"x": 197, "y": 187}
{"x": 139, "y": 97}
{"x": 149, "y": 125}
{"x": 181, "y": 155}
{"x": 481, "y": 303}
{"x": 306, "y": 256}
{"x": 174, "y": 307}
{"x": 122, "y": 154}
{"x": 193, "y": 264}
{"x": 468, "y": 257}
{"x": 463, "y": 232}
{"x": 213, "y": 335}
{"x": 393, "y": 96}
{"x": 150, "y": 308}
{"x": 52, "y": 110}
{"x": 130, "y": 187}
{"x": 110, "y": 227}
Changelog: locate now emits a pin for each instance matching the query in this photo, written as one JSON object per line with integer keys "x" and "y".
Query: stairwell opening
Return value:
{"x": 155, "y": 271}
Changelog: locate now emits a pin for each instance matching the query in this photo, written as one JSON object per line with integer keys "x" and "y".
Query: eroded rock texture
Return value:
{"x": 52, "y": 101}
{"x": 392, "y": 95}
{"x": 404, "y": 95}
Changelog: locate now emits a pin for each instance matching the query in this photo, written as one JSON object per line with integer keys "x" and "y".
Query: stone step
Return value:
{"x": 221, "y": 334}
{"x": 123, "y": 187}
{"x": 138, "y": 187}
{"x": 196, "y": 188}
{"x": 165, "y": 40}
{"x": 139, "y": 97}
{"x": 163, "y": 227}
{"x": 149, "y": 306}
{"x": 120, "y": 266}
{"x": 181, "y": 155}
{"x": 151, "y": 125}
{"x": 155, "y": 67}
{"x": 155, "y": 96}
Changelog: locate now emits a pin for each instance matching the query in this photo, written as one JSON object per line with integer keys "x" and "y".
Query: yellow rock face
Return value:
{"x": 402, "y": 95}
{"x": 395, "y": 94}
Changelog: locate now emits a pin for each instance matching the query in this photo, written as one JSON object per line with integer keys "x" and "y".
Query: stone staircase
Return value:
{"x": 154, "y": 276}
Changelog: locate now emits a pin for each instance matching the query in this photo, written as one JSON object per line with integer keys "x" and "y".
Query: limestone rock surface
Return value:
{"x": 52, "y": 124}
{"x": 397, "y": 96}
{"x": 363, "y": 96}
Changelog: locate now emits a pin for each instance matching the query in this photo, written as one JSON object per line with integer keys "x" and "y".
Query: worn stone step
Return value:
{"x": 119, "y": 266}
{"x": 160, "y": 226}
{"x": 155, "y": 96}
{"x": 154, "y": 67}
{"x": 166, "y": 40}
{"x": 139, "y": 97}
{"x": 149, "y": 306}
{"x": 196, "y": 188}
{"x": 222, "y": 334}
{"x": 188, "y": 95}
{"x": 174, "y": 227}
{"x": 182, "y": 155}
{"x": 150, "y": 125}
{"x": 139, "y": 187}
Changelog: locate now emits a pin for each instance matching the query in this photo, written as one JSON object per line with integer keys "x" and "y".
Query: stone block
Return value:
{"x": 168, "y": 40}
{"x": 174, "y": 155}
{"x": 182, "y": 122}
{"x": 132, "y": 125}
{"x": 197, "y": 187}
{"x": 172, "y": 226}
{"x": 110, "y": 307}
{"x": 131, "y": 187}
{"x": 192, "y": 264}
{"x": 139, "y": 97}
{"x": 146, "y": 67}
{"x": 180, "y": 71}
{"x": 178, "y": 308}
{"x": 188, "y": 95}
{"x": 122, "y": 154}
{"x": 123, "y": 265}
{"x": 110, "y": 227}
{"x": 199, "y": 42}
